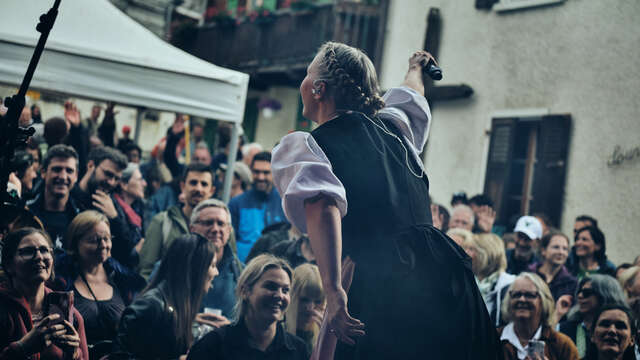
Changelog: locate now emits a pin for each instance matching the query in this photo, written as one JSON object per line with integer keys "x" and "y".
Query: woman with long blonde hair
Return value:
{"x": 304, "y": 314}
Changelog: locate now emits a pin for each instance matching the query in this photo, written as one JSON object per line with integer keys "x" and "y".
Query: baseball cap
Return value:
{"x": 529, "y": 226}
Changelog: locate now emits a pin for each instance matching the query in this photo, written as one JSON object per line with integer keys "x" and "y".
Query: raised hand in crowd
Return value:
{"x": 71, "y": 114}
{"x": 563, "y": 305}
{"x": 178, "y": 125}
{"x": 486, "y": 217}
{"x": 103, "y": 202}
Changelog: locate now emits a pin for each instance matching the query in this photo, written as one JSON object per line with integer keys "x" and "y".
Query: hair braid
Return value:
{"x": 351, "y": 94}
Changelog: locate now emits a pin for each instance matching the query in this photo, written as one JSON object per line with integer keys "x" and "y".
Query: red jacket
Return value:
{"x": 15, "y": 323}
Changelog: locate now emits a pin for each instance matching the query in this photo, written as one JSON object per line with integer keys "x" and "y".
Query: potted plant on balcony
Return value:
{"x": 221, "y": 18}
{"x": 302, "y": 5}
{"x": 262, "y": 15}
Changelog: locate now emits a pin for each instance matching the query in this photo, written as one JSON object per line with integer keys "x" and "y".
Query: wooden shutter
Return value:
{"x": 499, "y": 164}
{"x": 485, "y": 4}
{"x": 550, "y": 170}
{"x": 250, "y": 121}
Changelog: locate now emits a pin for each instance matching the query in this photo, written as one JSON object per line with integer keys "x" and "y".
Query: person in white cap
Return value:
{"x": 529, "y": 231}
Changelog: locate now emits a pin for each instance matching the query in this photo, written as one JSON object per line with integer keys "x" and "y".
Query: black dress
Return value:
{"x": 413, "y": 286}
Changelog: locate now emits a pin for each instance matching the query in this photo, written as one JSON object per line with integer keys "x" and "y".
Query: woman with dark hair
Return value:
{"x": 589, "y": 254}
{"x": 158, "y": 324}
{"x": 593, "y": 293}
{"x": 102, "y": 287}
{"x": 366, "y": 150}
{"x": 554, "y": 250}
{"x": 27, "y": 172}
{"x": 613, "y": 334}
{"x": 26, "y": 330}
{"x": 262, "y": 297}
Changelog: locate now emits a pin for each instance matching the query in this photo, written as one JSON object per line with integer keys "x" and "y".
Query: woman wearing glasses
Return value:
{"x": 26, "y": 331}
{"x": 593, "y": 293}
{"x": 102, "y": 286}
{"x": 529, "y": 308}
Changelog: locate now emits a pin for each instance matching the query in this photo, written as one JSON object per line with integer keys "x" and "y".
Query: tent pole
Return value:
{"x": 139, "y": 113}
{"x": 231, "y": 160}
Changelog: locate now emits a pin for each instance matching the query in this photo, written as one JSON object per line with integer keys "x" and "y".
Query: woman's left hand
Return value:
{"x": 317, "y": 317}
{"x": 68, "y": 338}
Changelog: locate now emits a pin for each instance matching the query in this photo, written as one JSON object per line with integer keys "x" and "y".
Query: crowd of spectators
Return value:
{"x": 159, "y": 267}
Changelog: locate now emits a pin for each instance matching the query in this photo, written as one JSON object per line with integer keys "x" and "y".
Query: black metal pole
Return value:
{"x": 11, "y": 135}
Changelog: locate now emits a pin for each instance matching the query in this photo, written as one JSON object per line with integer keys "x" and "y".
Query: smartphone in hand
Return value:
{"x": 535, "y": 349}
{"x": 59, "y": 302}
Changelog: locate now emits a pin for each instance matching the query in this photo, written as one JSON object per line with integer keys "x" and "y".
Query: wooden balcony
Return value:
{"x": 276, "y": 49}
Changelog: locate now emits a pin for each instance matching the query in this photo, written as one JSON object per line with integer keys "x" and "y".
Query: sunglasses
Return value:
{"x": 529, "y": 295}
{"x": 586, "y": 292}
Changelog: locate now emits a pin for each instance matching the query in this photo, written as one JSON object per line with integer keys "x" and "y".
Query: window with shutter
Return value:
{"x": 526, "y": 166}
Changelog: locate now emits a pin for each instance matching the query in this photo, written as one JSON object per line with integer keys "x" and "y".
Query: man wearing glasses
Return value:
{"x": 94, "y": 192}
{"x": 212, "y": 219}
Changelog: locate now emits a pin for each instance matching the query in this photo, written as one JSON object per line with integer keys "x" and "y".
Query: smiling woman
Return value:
{"x": 530, "y": 309}
{"x": 26, "y": 330}
{"x": 102, "y": 287}
{"x": 262, "y": 297}
{"x": 612, "y": 337}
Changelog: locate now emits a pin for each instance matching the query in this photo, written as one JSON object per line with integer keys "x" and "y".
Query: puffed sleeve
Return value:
{"x": 301, "y": 170}
{"x": 410, "y": 112}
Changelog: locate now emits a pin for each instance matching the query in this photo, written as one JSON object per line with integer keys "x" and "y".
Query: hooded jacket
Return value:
{"x": 15, "y": 323}
{"x": 163, "y": 229}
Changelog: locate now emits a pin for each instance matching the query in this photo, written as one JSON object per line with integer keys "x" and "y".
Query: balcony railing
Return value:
{"x": 276, "y": 47}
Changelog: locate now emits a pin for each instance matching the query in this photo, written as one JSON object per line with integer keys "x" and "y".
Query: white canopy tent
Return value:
{"x": 97, "y": 52}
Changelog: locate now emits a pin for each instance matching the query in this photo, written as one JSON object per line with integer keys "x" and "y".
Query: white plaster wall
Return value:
{"x": 578, "y": 58}
{"x": 270, "y": 131}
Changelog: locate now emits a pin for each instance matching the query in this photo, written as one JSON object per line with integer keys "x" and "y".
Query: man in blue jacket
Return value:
{"x": 257, "y": 208}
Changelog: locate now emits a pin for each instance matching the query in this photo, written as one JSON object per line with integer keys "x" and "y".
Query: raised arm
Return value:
{"x": 413, "y": 78}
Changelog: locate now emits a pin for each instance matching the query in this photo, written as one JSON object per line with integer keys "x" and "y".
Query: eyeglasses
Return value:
{"x": 210, "y": 223}
{"x": 94, "y": 240}
{"x": 29, "y": 252}
{"x": 529, "y": 295}
{"x": 586, "y": 292}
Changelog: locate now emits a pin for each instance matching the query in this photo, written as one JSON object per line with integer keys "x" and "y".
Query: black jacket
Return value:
{"x": 232, "y": 343}
{"x": 56, "y": 231}
{"x": 146, "y": 328}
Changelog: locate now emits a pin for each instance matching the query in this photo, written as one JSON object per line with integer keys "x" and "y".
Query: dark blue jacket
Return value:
{"x": 221, "y": 295}
{"x": 250, "y": 213}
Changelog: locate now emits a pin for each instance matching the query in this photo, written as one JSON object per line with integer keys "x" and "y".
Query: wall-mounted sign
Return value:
{"x": 621, "y": 156}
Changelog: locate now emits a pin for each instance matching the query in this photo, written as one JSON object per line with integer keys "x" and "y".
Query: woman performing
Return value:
{"x": 412, "y": 294}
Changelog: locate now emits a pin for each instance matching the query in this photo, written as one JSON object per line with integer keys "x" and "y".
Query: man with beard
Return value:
{"x": 165, "y": 227}
{"x": 94, "y": 192}
{"x": 257, "y": 208}
{"x": 211, "y": 219}
{"x": 53, "y": 205}
{"x": 529, "y": 231}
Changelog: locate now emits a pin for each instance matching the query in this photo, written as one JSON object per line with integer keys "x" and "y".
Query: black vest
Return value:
{"x": 384, "y": 197}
